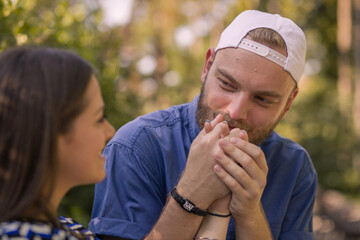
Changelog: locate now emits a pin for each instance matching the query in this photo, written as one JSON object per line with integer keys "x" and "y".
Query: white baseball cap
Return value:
{"x": 294, "y": 37}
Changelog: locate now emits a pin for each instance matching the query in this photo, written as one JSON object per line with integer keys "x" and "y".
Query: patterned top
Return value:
{"x": 39, "y": 230}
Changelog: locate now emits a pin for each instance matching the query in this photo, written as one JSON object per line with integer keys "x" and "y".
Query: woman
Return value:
{"x": 52, "y": 133}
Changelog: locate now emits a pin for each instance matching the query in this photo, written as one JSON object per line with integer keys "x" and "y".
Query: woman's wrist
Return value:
{"x": 213, "y": 227}
{"x": 217, "y": 214}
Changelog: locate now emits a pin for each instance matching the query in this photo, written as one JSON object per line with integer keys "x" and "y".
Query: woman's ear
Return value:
{"x": 210, "y": 56}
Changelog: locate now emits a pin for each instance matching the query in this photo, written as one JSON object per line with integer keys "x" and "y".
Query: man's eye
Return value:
{"x": 262, "y": 99}
{"x": 226, "y": 84}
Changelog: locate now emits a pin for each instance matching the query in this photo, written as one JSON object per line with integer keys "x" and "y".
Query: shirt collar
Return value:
{"x": 193, "y": 125}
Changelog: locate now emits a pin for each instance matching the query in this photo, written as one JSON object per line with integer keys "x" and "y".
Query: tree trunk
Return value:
{"x": 344, "y": 83}
{"x": 356, "y": 104}
{"x": 344, "y": 46}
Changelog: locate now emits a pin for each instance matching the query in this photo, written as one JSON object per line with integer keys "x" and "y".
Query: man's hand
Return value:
{"x": 199, "y": 183}
{"x": 243, "y": 169}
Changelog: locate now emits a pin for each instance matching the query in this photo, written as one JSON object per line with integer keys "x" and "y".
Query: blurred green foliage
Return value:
{"x": 123, "y": 53}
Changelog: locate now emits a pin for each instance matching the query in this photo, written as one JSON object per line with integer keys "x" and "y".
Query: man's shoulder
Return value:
{"x": 280, "y": 143}
{"x": 286, "y": 152}
{"x": 158, "y": 122}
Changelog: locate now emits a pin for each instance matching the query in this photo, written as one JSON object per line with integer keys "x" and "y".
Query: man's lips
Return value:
{"x": 231, "y": 127}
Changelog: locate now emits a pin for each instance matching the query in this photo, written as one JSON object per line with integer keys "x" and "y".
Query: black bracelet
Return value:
{"x": 186, "y": 204}
{"x": 219, "y": 215}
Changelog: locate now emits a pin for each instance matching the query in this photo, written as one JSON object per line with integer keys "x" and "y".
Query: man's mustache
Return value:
{"x": 234, "y": 123}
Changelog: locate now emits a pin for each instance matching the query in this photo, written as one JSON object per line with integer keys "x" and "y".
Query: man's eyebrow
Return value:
{"x": 227, "y": 75}
{"x": 269, "y": 94}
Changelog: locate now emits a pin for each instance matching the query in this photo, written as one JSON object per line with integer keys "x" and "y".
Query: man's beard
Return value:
{"x": 256, "y": 136}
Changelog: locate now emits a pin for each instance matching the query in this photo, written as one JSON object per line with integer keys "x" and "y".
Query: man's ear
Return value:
{"x": 290, "y": 100}
{"x": 210, "y": 56}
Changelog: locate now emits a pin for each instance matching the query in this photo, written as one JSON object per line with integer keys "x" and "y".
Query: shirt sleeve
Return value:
{"x": 297, "y": 224}
{"x": 129, "y": 201}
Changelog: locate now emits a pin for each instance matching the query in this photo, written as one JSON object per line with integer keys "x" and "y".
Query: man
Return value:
{"x": 249, "y": 80}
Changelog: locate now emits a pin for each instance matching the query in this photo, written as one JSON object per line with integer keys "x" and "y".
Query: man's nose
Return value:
{"x": 239, "y": 106}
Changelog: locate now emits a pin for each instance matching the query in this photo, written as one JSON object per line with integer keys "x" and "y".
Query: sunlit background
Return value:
{"x": 150, "y": 54}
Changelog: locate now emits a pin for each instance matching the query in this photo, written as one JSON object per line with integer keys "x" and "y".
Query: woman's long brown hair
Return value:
{"x": 41, "y": 93}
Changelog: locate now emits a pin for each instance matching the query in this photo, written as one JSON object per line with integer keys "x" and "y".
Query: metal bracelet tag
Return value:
{"x": 188, "y": 206}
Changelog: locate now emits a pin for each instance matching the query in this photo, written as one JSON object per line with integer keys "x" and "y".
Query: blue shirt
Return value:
{"x": 146, "y": 157}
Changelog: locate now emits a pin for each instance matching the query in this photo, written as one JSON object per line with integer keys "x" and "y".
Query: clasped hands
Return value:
{"x": 225, "y": 172}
